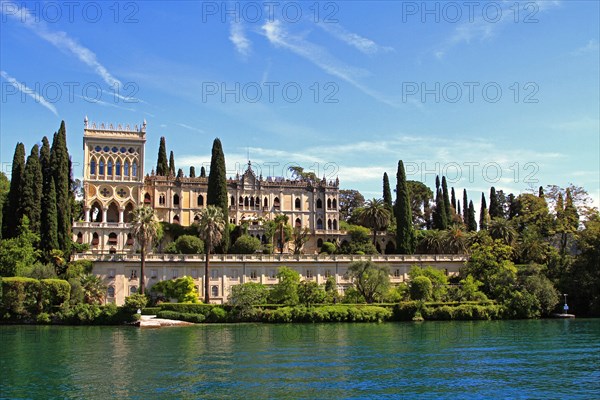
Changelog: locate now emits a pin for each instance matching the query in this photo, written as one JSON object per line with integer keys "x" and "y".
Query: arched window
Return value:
{"x": 320, "y": 243}
{"x": 118, "y": 168}
{"x": 214, "y": 291}
{"x": 241, "y": 201}
{"x": 297, "y": 204}
{"x": 246, "y": 201}
{"x": 334, "y": 204}
{"x": 147, "y": 198}
{"x": 93, "y": 167}
{"x": 232, "y": 201}
{"x": 176, "y": 219}
{"x": 110, "y": 291}
{"x": 197, "y": 218}
{"x": 263, "y": 239}
{"x": 319, "y": 203}
{"x": 95, "y": 239}
{"x": 112, "y": 215}
{"x": 257, "y": 202}
{"x": 109, "y": 169}
{"x": 335, "y": 224}
{"x": 251, "y": 201}
{"x": 130, "y": 240}
{"x": 266, "y": 203}
{"x": 200, "y": 200}
{"x": 134, "y": 169}
{"x": 128, "y": 214}
{"x": 328, "y": 203}
{"x": 298, "y": 223}
{"x": 161, "y": 199}
{"x": 175, "y": 199}
{"x": 319, "y": 223}
{"x": 132, "y": 290}
{"x": 329, "y": 224}
{"x": 79, "y": 237}
{"x": 126, "y": 169}
{"x": 96, "y": 212}
{"x": 112, "y": 238}
{"x": 101, "y": 168}
{"x": 276, "y": 203}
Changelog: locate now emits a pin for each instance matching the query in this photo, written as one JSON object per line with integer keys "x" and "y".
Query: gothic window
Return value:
{"x": 112, "y": 238}
{"x": 320, "y": 241}
{"x": 128, "y": 214}
{"x": 110, "y": 292}
{"x": 80, "y": 238}
{"x": 126, "y": 169}
{"x": 335, "y": 224}
{"x": 257, "y": 202}
{"x": 147, "y": 198}
{"x": 266, "y": 203}
{"x": 200, "y": 200}
{"x": 328, "y": 203}
{"x": 334, "y": 204}
{"x": 105, "y": 192}
{"x": 101, "y": 168}
{"x": 109, "y": 169}
{"x": 214, "y": 291}
{"x": 319, "y": 224}
{"x": 129, "y": 240}
{"x": 118, "y": 168}
{"x": 93, "y": 167}
{"x": 161, "y": 200}
{"x": 122, "y": 192}
{"x": 176, "y": 219}
{"x": 329, "y": 224}
{"x": 232, "y": 201}
{"x": 319, "y": 203}
{"x": 112, "y": 215}
{"x": 297, "y": 204}
{"x": 134, "y": 169}
{"x": 96, "y": 212}
{"x": 246, "y": 201}
{"x": 298, "y": 223}
{"x": 95, "y": 239}
{"x": 176, "y": 200}
{"x": 276, "y": 203}
{"x": 251, "y": 201}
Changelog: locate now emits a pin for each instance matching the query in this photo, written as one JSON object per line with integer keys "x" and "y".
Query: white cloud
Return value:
{"x": 319, "y": 56}
{"x": 30, "y": 92}
{"x": 191, "y": 128}
{"x": 60, "y": 40}
{"x": 362, "y": 44}
{"x": 591, "y": 47}
{"x": 238, "y": 38}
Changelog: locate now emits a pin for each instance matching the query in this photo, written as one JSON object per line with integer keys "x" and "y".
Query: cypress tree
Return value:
{"x": 440, "y": 220}
{"x": 217, "y": 188}
{"x": 202, "y": 172}
{"x": 405, "y": 233}
{"x": 32, "y": 190}
{"x": 45, "y": 164}
{"x": 162, "y": 165}
{"x": 387, "y": 193}
{"x": 465, "y": 207}
{"x": 495, "y": 207}
{"x": 453, "y": 200}
{"x": 540, "y": 193}
{"x": 49, "y": 231}
{"x": 180, "y": 173}
{"x": 483, "y": 213}
{"x": 13, "y": 210}
{"x": 59, "y": 161}
{"x": 513, "y": 205}
{"x": 472, "y": 222}
{"x": 437, "y": 183}
{"x": 171, "y": 164}
{"x": 192, "y": 172}
{"x": 447, "y": 208}
{"x": 458, "y": 209}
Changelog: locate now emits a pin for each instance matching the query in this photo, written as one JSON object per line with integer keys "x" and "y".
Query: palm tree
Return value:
{"x": 144, "y": 227}
{"x": 94, "y": 290}
{"x": 455, "y": 241}
{"x": 280, "y": 222}
{"x": 211, "y": 227}
{"x": 502, "y": 229}
{"x": 376, "y": 215}
{"x": 432, "y": 242}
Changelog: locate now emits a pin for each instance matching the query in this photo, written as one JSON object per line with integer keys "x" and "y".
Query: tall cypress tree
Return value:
{"x": 13, "y": 210}
{"x": 162, "y": 165}
{"x": 495, "y": 206}
{"x": 192, "y": 172}
{"x": 465, "y": 208}
{"x": 453, "y": 200}
{"x": 217, "y": 188}
{"x": 483, "y": 213}
{"x": 440, "y": 221}
{"x": 387, "y": 192}
{"x": 437, "y": 183}
{"x": 202, "y": 172}
{"x": 59, "y": 160}
{"x": 49, "y": 231}
{"x": 405, "y": 233}
{"x": 171, "y": 163}
{"x": 472, "y": 222}
{"x": 32, "y": 190}
{"x": 447, "y": 208}
{"x": 458, "y": 209}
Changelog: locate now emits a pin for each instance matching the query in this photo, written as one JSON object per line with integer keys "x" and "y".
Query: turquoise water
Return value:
{"x": 487, "y": 359}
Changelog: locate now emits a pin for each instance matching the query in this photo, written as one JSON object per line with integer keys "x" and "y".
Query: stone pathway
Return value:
{"x": 150, "y": 321}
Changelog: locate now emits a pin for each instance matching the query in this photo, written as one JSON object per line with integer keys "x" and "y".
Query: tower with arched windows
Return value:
{"x": 113, "y": 181}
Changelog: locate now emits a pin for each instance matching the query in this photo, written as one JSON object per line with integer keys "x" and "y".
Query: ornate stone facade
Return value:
{"x": 114, "y": 185}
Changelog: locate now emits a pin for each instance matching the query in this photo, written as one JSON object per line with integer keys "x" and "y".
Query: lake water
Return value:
{"x": 482, "y": 359}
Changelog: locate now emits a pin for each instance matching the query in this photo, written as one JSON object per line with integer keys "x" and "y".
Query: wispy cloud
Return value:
{"x": 479, "y": 29}
{"x": 59, "y": 39}
{"x": 362, "y": 44}
{"x": 590, "y": 47}
{"x": 30, "y": 92}
{"x": 191, "y": 128}
{"x": 319, "y": 56}
{"x": 105, "y": 103}
{"x": 239, "y": 39}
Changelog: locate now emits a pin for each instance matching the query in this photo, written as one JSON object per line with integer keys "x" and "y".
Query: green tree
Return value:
{"x": 310, "y": 292}
{"x": 447, "y": 207}
{"x": 59, "y": 160}
{"x": 211, "y": 227}
{"x": 349, "y": 201}
{"x": 491, "y": 264}
{"x": 4, "y": 189}
{"x": 440, "y": 220}
{"x": 483, "y": 214}
{"x": 18, "y": 255}
{"x": 162, "y": 165}
{"x": 94, "y": 289}
{"x": 13, "y": 210}
{"x": 192, "y": 172}
{"x": 188, "y": 244}
{"x": 371, "y": 280}
{"x": 299, "y": 237}
{"x": 171, "y": 164}
{"x": 32, "y": 190}
{"x": 387, "y": 192}
{"x": 466, "y": 209}
{"x": 286, "y": 290}
{"x": 437, "y": 279}
{"x": 246, "y": 244}
{"x": 502, "y": 229}
{"x": 469, "y": 290}
{"x": 421, "y": 197}
{"x": 144, "y": 227}
{"x": 453, "y": 200}
{"x": 375, "y": 215}
{"x": 405, "y": 233}
{"x": 496, "y": 210}
{"x": 248, "y": 295}
{"x": 472, "y": 222}
{"x": 49, "y": 227}
{"x": 217, "y": 189}
{"x": 281, "y": 228}
{"x": 420, "y": 288}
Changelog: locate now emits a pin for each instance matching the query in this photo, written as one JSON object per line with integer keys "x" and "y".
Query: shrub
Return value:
{"x": 151, "y": 311}
{"x": 189, "y": 317}
{"x": 54, "y": 293}
{"x": 217, "y": 314}
{"x": 43, "y": 318}
{"x": 248, "y": 294}
{"x": 328, "y": 248}
{"x": 420, "y": 288}
{"x": 246, "y": 244}
{"x": 20, "y": 297}
{"x": 186, "y": 244}
{"x": 183, "y": 289}
{"x": 135, "y": 302}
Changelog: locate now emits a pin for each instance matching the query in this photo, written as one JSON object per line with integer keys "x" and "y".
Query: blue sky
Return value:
{"x": 497, "y": 94}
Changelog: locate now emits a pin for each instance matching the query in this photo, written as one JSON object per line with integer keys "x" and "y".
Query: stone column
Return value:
{"x": 104, "y": 214}
{"x": 121, "y": 211}
{"x": 86, "y": 214}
